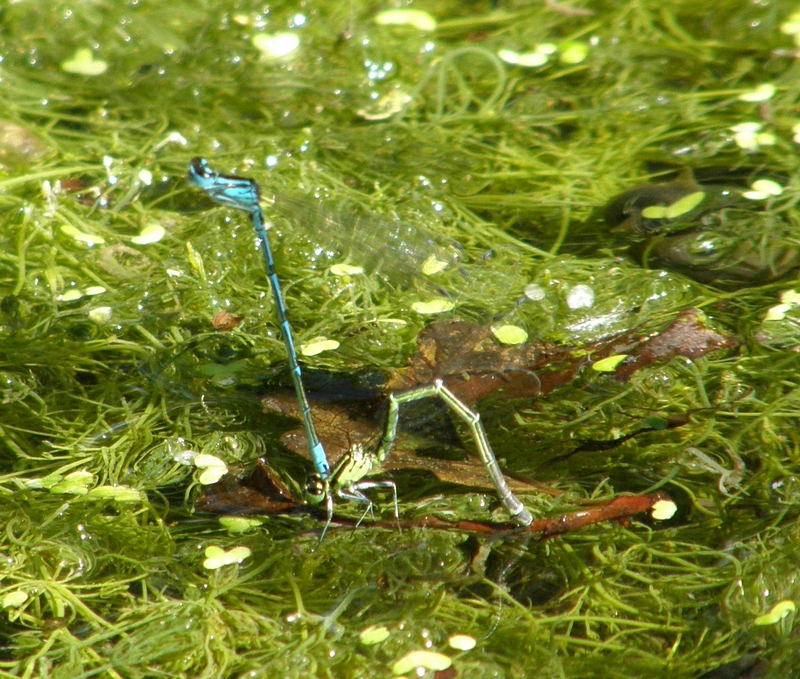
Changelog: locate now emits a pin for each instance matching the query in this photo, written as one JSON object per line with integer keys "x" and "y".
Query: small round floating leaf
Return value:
{"x": 152, "y": 233}
{"x": 275, "y": 46}
{"x": 80, "y": 236}
{"x": 213, "y": 468}
{"x": 609, "y": 363}
{"x": 766, "y": 139}
{"x": 14, "y": 599}
{"x": 346, "y": 270}
{"x": 680, "y": 207}
{"x": 318, "y": 345}
{"x": 84, "y": 63}
{"x": 462, "y": 642}
{"x": 240, "y": 524}
{"x": 70, "y": 295}
{"x": 767, "y": 186}
{"x": 433, "y": 265}
{"x": 100, "y": 315}
{"x": 526, "y": 59}
{"x": 763, "y": 189}
{"x": 374, "y": 634}
{"x": 573, "y": 52}
{"x": 204, "y": 460}
{"x": 510, "y": 334}
{"x": 237, "y": 555}
{"x": 212, "y": 475}
{"x": 686, "y": 204}
{"x": 747, "y": 127}
{"x": 535, "y": 292}
{"x": 422, "y": 21}
{"x": 663, "y": 510}
{"x": 746, "y": 135}
{"x": 777, "y": 313}
{"x": 778, "y": 612}
{"x": 425, "y": 659}
{"x": 792, "y": 25}
{"x": 761, "y": 93}
{"x": 434, "y": 306}
{"x": 790, "y": 297}
{"x": 654, "y": 212}
{"x": 215, "y": 558}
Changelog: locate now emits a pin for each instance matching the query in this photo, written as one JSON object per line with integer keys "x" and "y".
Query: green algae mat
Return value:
{"x": 581, "y": 215}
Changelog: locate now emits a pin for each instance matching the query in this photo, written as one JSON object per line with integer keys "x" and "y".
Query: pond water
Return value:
{"x": 581, "y": 215}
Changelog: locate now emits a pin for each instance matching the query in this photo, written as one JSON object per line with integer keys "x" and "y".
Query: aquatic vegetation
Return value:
{"x": 138, "y": 334}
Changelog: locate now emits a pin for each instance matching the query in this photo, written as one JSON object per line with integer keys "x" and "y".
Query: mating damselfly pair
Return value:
{"x": 348, "y": 479}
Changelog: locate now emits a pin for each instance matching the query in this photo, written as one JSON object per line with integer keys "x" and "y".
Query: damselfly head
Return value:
{"x": 316, "y": 490}
{"x": 239, "y": 193}
{"x": 198, "y": 169}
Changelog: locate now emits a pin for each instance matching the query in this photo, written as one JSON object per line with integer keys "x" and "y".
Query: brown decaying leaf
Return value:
{"x": 261, "y": 492}
{"x": 686, "y": 336}
{"x": 225, "y": 320}
{"x": 473, "y": 365}
{"x": 342, "y": 425}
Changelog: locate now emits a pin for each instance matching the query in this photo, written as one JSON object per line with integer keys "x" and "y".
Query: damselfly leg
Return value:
{"x": 347, "y": 482}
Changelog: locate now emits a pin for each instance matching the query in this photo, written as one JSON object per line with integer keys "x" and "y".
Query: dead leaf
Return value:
{"x": 226, "y": 321}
